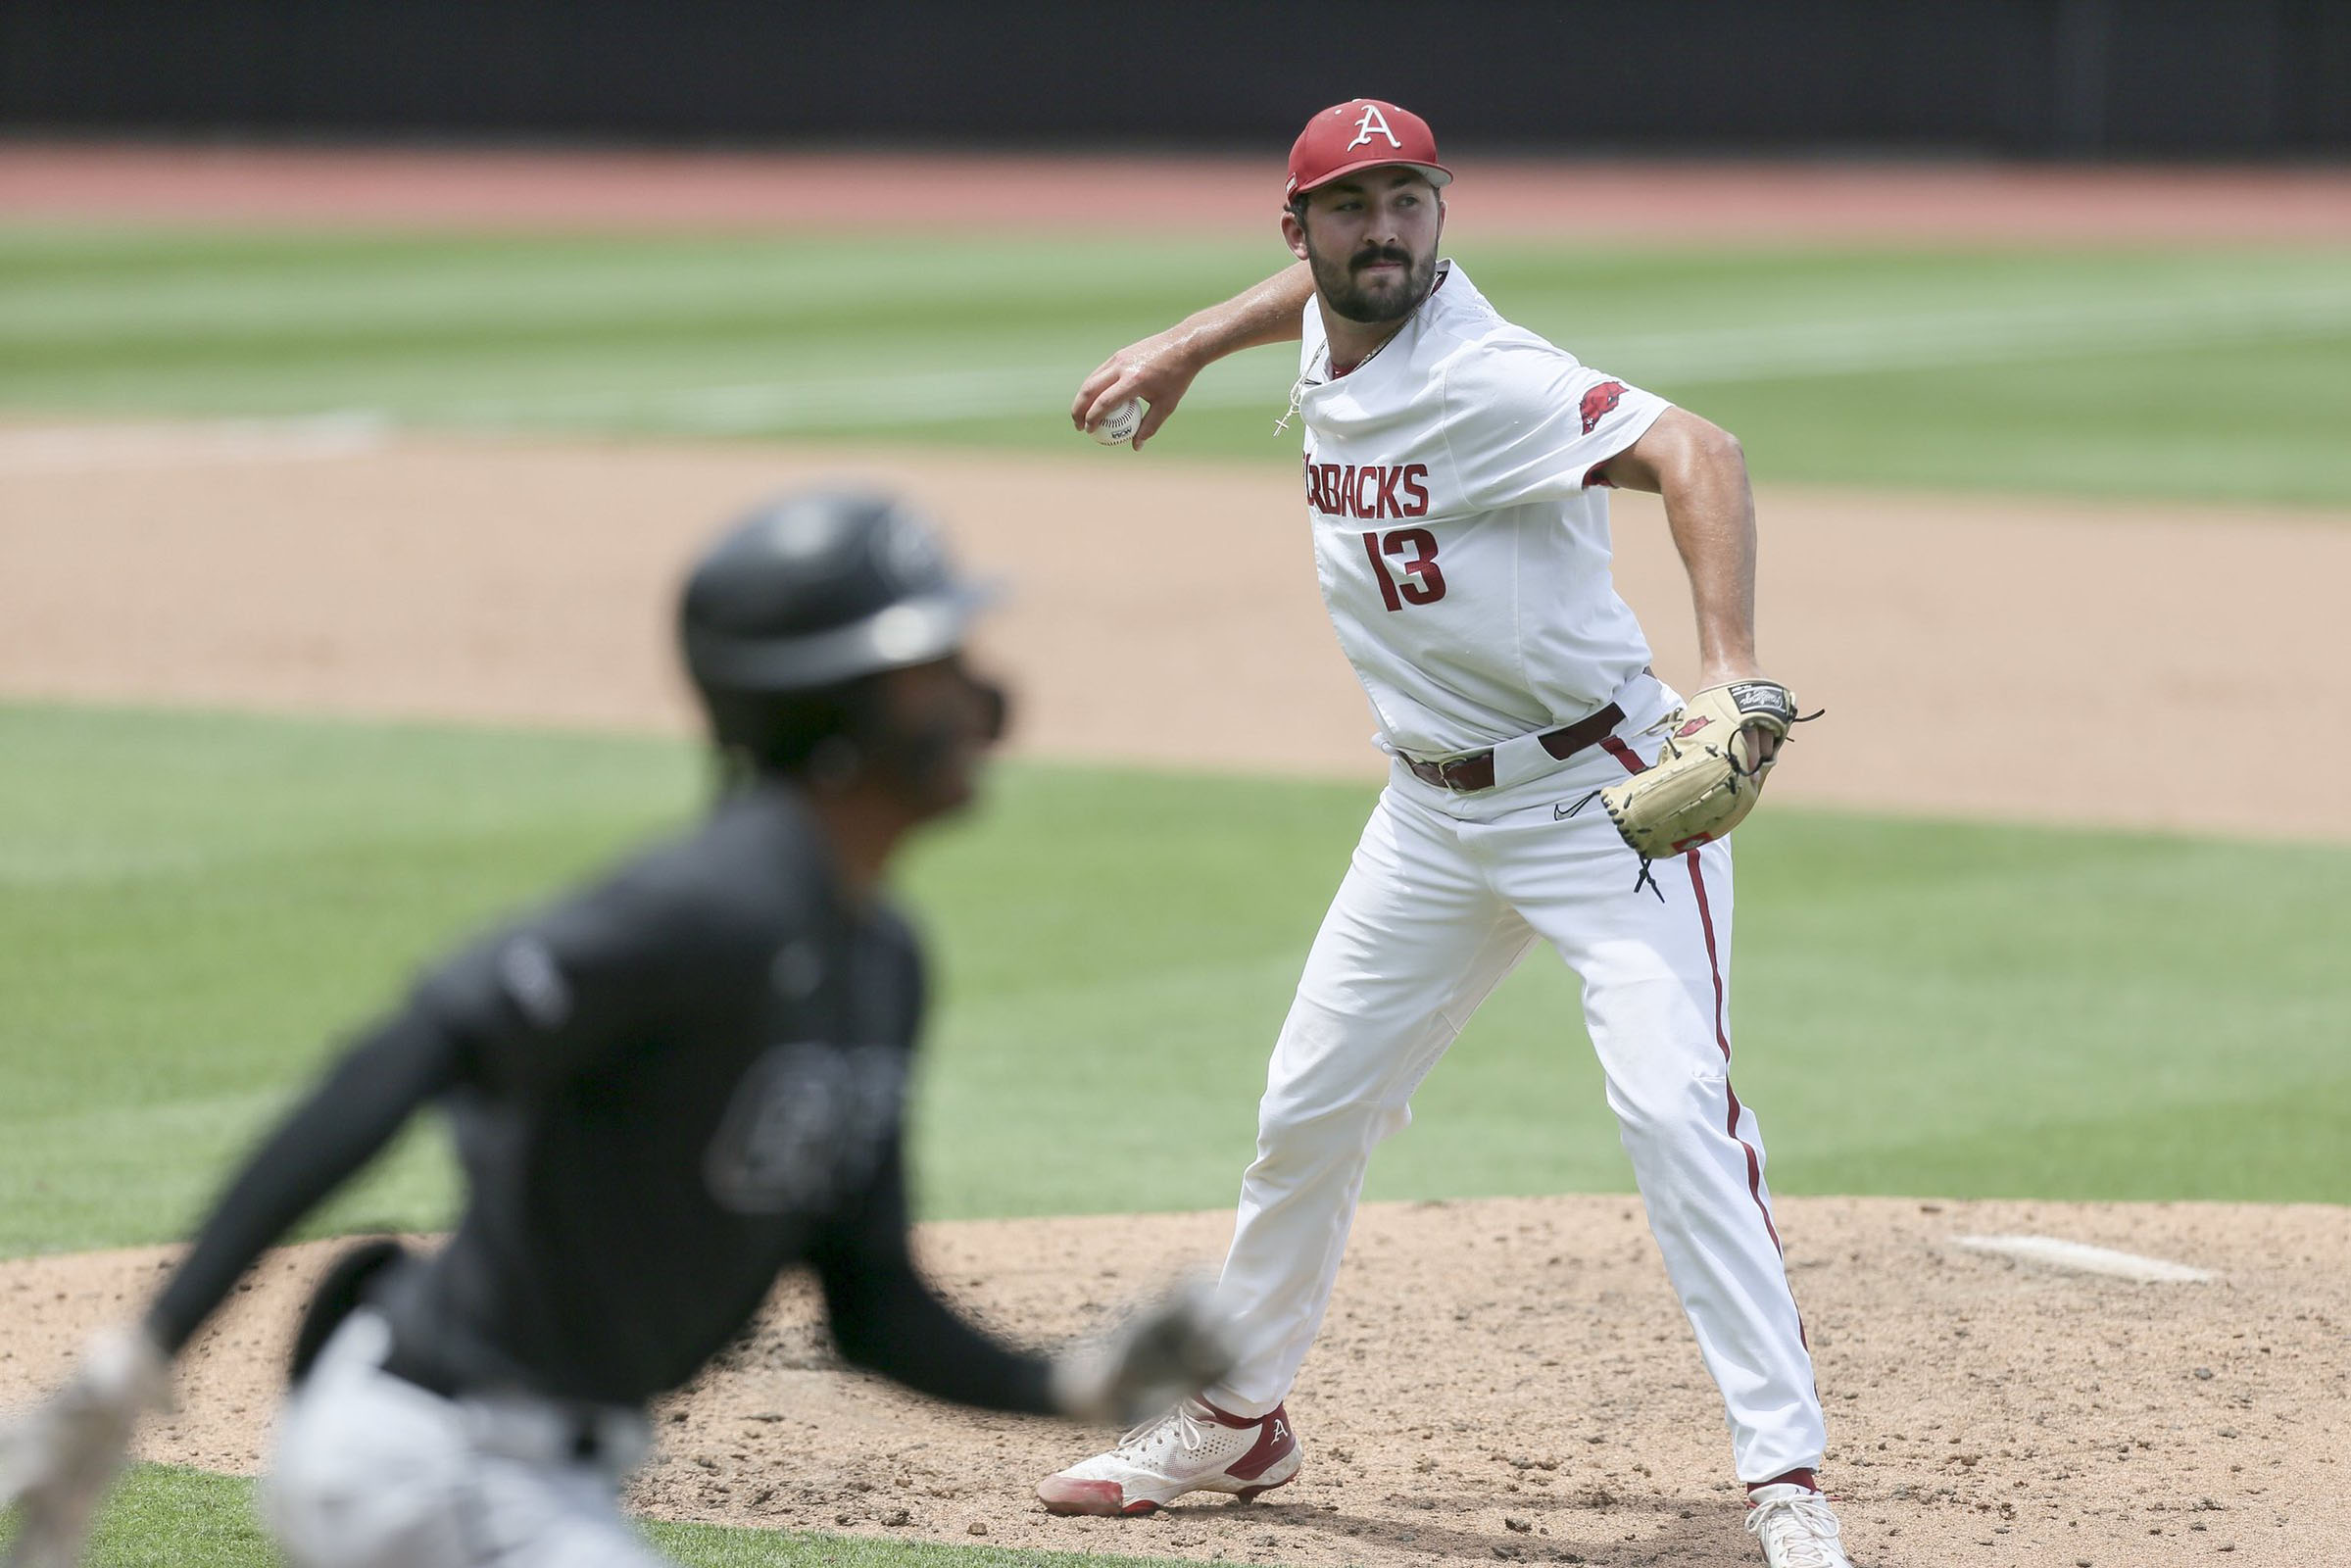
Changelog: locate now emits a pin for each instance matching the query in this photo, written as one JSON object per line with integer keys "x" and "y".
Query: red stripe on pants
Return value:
{"x": 1633, "y": 763}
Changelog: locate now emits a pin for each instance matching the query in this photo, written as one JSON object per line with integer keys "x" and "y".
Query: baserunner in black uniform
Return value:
{"x": 665, "y": 1088}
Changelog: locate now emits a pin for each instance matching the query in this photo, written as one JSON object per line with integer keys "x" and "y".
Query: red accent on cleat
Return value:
{"x": 1195, "y": 1448}
{"x": 1274, "y": 1439}
{"x": 1103, "y": 1498}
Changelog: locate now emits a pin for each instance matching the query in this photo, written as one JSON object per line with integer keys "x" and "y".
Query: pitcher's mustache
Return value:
{"x": 1372, "y": 258}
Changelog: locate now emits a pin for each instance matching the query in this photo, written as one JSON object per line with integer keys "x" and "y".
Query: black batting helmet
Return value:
{"x": 805, "y": 598}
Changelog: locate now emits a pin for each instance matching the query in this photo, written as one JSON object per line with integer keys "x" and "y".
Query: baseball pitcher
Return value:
{"x": 1544, "y": 786}
{"x": 665, "y": 1088}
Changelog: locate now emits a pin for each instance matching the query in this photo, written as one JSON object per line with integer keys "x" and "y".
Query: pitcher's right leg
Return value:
{"x": 1412, "y": 943}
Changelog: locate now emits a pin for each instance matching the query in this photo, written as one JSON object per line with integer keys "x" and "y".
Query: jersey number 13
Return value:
{"x": 1419, "y": 582}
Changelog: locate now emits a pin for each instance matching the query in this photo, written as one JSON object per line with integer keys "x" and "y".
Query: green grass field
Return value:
{"x": 2177, "y": 373}
{"x": 167, "y": 1517}
{"x": 195, "y": 908}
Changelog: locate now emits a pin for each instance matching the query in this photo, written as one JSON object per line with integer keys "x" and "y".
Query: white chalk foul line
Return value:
{"x": 98, "y": 447}
{"x": 2082, "y": 1258}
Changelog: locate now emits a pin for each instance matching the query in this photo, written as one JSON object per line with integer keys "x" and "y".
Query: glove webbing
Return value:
{"x": 1645, "y": 876}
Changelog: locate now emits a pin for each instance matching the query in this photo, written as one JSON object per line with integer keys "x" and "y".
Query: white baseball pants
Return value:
{"x": 373, "y": 1472}
{"x": 1445, "y": 894}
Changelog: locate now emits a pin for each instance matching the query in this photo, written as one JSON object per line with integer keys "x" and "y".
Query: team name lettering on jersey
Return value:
{"x": 1368, "y": 490}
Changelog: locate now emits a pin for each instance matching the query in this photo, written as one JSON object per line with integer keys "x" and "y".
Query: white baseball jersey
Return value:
{"x": 1463, "y": 555}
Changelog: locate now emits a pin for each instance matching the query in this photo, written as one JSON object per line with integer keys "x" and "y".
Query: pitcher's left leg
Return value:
{"x": 1657, "y": 1003}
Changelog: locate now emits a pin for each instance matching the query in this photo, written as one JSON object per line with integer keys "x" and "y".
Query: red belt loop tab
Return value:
{"x": 1466, "y": 774}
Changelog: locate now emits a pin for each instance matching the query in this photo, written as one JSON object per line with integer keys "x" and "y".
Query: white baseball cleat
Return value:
{"x": 1194, "y": 1447}
{"x": 1797, "y": 1527}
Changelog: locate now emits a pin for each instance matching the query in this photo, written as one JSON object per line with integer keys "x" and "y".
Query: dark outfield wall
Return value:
{"x": 2063, "y": 77}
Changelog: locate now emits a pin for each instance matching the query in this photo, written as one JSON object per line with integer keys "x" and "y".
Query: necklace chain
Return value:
{"x": 1298, "y": 387}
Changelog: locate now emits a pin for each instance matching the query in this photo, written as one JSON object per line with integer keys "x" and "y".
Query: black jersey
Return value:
{"x": 664, "y": 1089}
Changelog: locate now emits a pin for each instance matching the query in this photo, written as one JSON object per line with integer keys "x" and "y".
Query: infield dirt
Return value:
{"x": 2090, "y": 664}
{"x": 1511, "y": 1379}
{"x": 1858, "y": 201}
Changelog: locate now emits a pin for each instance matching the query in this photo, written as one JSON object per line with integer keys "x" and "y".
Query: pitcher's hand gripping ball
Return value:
{"x": 1120, "y": 423}
{"x": 1707, "y": 778}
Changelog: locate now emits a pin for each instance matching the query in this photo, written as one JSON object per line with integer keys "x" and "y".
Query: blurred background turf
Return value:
{"x": 2177, "y": 373}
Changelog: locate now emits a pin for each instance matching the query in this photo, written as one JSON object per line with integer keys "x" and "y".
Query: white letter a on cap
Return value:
{"x": 1373, "y": 123}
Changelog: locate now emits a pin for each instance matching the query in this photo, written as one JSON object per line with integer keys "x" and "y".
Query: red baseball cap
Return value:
{"x": 1361, "y": 133}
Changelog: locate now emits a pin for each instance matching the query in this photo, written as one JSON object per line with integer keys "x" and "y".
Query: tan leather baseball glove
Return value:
{"x": 1706, "y": 779}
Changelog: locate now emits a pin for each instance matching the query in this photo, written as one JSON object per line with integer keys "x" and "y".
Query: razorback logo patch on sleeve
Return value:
{"x": 1600, "y": 402}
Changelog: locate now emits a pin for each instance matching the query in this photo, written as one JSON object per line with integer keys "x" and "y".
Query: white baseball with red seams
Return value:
{"x": 1465, "y": 561}
{"x": 1120, "y": 423}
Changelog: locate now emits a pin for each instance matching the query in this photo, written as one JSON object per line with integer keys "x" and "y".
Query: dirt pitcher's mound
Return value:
{"x": 1511, "y": 1378}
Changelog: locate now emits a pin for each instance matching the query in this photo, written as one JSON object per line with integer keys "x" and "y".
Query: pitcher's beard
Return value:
{"x": 1373, "y": 304}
